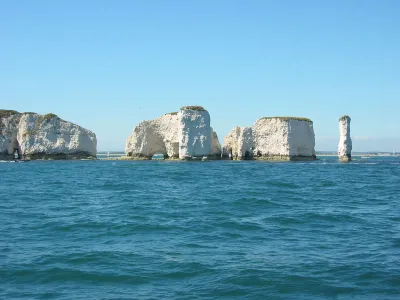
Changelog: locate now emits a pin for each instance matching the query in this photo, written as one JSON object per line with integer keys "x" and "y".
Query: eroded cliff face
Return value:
{"x": 155, "y": 136}
{"x": 215, "y": 145}
{"x": 239, "y": 143}
{"x": 345, "y": 144}
{"x": 275, "y": 138}
{"x": 9, "y": 121}
{"x": 181, "y": 135}
{"x": 44, "y": 136}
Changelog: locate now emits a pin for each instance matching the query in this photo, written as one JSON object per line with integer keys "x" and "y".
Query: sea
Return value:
{"x": 200, "y": 230}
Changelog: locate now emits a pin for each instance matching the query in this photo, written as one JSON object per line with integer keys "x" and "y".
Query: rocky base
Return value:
{"x": 6, "y": 156}
{"x": 175, "y": 157}
{"x": 139, "y": 156}
{"x": 50, "y": 156}
{"x": 345, "y": 158}
{"x": 124, "y": 158}
{"x": 273, "y": 158}
{"x": 237, "y": 157}
{"x": 285, "y": 158}
{"x": 205, "y": 157}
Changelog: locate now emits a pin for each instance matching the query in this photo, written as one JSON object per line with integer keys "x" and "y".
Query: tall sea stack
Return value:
{"x": 194, "y": 132}
{"x": 345, "y": 144}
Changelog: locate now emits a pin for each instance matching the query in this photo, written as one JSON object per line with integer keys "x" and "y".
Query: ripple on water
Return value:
{"x": 219, "y": 230}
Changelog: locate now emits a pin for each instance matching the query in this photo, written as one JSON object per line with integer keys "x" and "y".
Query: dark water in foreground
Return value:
{"x": 200, "y": 230}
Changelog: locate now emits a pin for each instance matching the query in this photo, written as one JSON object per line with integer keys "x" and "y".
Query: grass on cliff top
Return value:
{"x": 199, "y": 108}
{"x": 46, "y": 117}
{"x": 289, "y": 118}
{"x": 344, "y": 117}
{"x": 4, "y": 113}
{"x": 172, "y": 113}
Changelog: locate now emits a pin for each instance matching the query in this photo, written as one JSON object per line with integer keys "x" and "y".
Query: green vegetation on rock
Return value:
{"x": 29, "y": 133}
{"x": 46, "y": 118}
{"x": 344, "y": 118}
{"x": 29, "y": 113}
{"x": 288, "y": 118}
{"x": 199, "y": 108}
{"x": 172, "y": 113}
{"x": 4, "y": 113}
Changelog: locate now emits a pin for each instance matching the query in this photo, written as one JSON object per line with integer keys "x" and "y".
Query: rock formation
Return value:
{"x": 183, "y": 134}
{"x": 215, "y": 145}
{"x": 194, "y": 132}
{"x": 43, "y": 136}
{"x": 159, "y": 135}
{"x": 238, "y": 144}
{"x": 272, "y": 138}
{"x": 345, "y": 144}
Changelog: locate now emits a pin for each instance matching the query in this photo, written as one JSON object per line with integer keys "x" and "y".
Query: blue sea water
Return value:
{"x": 200, "y": 230}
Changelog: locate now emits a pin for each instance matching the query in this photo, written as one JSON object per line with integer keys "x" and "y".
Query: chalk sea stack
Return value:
{"x": 184, "y": 134}
{"x": 272, "y": 138}
{"x": 36, "y": 136}
{"x": 239, "y": 144}
{"x": 345, "y": 144}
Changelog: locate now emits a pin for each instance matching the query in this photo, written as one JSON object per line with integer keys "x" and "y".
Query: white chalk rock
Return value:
{"x": 155, "y": 136}
{"x": 284, "y": 138}
{"x": 46, "y": 136}
{"x": 50, "y": 135}
{"x": 345, "y": 144}
{"x": 185, "y": 134}
{"x": 194, "y": 132}
{"x": 215, "y": 145}
{"x": 276, "y": 138}
{"x": 9, "y": 121}
{"x": 238, "y": 144}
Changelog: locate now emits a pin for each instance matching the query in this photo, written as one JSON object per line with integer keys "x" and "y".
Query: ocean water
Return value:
{"x": 200, "y": 230}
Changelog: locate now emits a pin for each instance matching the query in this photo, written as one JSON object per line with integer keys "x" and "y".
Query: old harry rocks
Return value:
{"x": 37, "y": 136}
{"x": 272, "y": 138}
{"x": 184, "y": 134}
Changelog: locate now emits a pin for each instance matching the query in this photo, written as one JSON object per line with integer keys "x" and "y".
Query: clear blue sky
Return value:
{"x": 107, "y": 65}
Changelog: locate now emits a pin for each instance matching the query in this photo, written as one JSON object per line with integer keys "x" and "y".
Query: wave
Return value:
{"x": 219, "y": 230}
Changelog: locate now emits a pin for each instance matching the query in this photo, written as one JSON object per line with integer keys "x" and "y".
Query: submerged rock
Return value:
{"x": 345, "y": 144}
{"x": 272, "y": 138}
{"x": 183, "y": 134}
{"x": 37, "y": 136}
